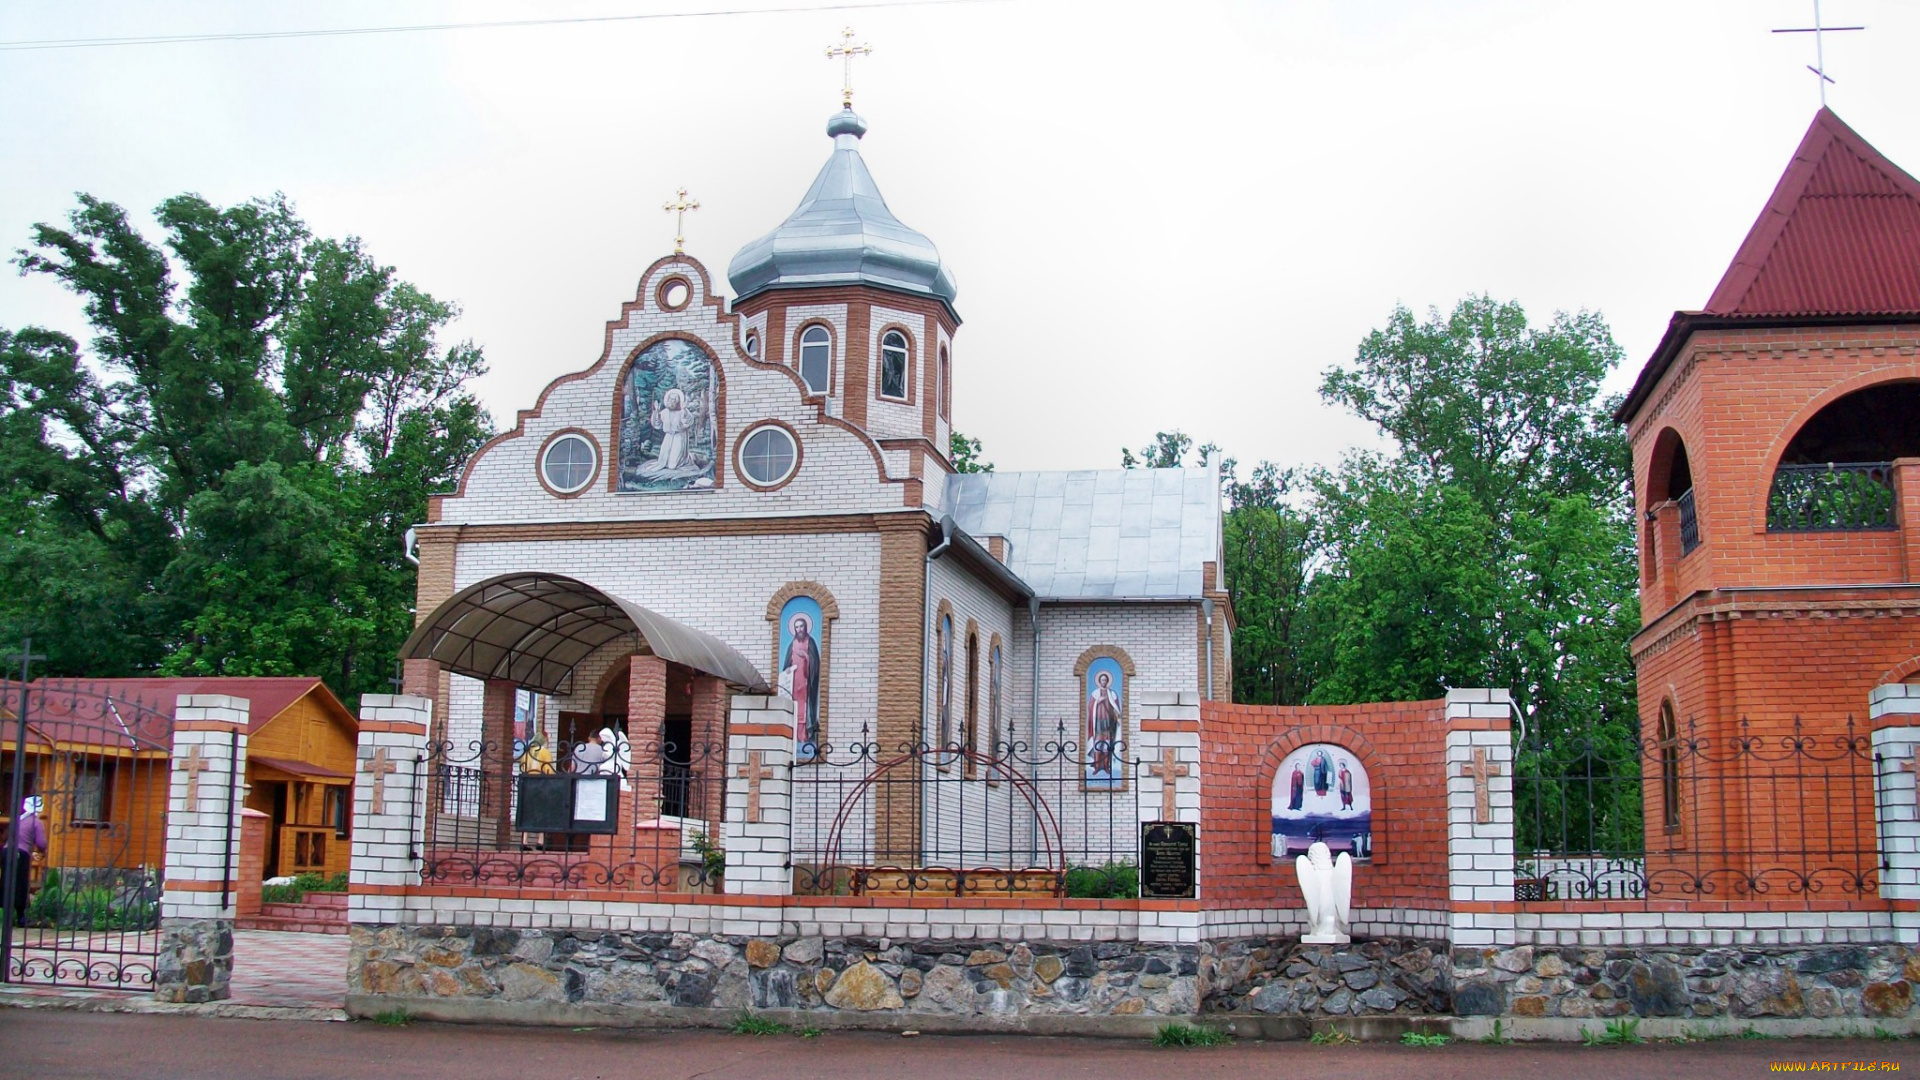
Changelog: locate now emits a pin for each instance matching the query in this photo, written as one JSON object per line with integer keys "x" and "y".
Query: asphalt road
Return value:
{"x": 57, "y": 1045}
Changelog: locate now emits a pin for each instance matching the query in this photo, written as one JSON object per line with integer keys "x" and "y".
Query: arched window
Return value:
{"x": 753, "y": 345}
{"x": 1669, "y": 743}
{"x": 970, "y": 737}
{"x": 1671, "y": 481}
{"x": 946, "y": 387}
{"x": 993, "y": 701}
{"x": 1837, "y": 473}
{"x": 893, "y": 365}
{"x": 943, "y": 641}
{"x": 816, "y": 359}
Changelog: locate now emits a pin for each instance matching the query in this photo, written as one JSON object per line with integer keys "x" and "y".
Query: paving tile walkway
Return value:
{"x": 276, "y": 968}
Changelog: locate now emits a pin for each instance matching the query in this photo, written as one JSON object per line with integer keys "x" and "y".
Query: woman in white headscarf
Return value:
{"x": 28, "y": 838}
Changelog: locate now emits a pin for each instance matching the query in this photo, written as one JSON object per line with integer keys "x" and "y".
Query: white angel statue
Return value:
{"x": 1327, "y": 884}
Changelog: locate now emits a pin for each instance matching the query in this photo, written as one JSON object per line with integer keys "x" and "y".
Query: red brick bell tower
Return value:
{"x": 1776, "y": 466}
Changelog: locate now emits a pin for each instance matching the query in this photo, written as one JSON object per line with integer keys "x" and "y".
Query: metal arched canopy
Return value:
{"x": 534, "y": 629}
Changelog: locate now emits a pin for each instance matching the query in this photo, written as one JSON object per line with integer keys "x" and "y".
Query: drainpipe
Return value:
{"x": 1206, "y": 605}
{"x": 1033, "y": 746}
{"x": 408, "y": 545}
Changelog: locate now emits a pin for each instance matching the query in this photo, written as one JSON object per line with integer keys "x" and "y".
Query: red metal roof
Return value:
{"x": 1838, "y": 243}
{"x": 76, "y": 711}
{"x": 1840, "y": 236}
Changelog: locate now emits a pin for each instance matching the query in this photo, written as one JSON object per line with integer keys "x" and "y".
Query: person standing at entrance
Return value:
{"x": 30, "y": 839}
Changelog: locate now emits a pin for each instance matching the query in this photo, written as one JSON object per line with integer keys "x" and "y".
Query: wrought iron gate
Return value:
{"x": 99, "y": 765}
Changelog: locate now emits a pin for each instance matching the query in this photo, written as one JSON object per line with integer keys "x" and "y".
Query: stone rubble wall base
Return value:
{"x": 1265, "y": 987}
{"x": 194, "y": 960}
{"x": 994, "y": 982}
{"x": 1866, "y": 982}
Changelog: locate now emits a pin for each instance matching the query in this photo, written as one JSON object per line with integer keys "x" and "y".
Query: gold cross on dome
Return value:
{"x": 846, "y": 51}
{"x": 678, "y": 208}
{"x": 1169, "y": 770}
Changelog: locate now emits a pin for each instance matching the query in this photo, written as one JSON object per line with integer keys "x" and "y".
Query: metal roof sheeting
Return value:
{"x": 842, "y": 234}
{"x": 1121, "y": 534}
{"x": 1840, "y": 236}
{"x": 534, "y": 629}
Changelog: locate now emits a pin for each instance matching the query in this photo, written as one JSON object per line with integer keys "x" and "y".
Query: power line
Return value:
{"x": 354, "y": 31}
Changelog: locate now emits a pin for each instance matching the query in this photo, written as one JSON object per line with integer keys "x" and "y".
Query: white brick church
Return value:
{"x": 755, "y": 495}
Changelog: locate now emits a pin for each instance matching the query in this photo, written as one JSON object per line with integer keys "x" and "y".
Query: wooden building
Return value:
{"x": 105, "y": 775}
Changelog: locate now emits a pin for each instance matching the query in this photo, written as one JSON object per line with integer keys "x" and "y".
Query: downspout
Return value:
{"x": 1033, "y": 747}
{"x": 410, "y": 544}
{"x": 1206, "y": 605}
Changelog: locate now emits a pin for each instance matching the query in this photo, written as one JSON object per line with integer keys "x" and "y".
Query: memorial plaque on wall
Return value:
{"x": 1166, "y": 860}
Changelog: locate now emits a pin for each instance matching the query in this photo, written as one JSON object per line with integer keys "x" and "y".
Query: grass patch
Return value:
{"x": 1415, "y": 1038}
{"x": 1330, "y": 1037}
{"x": 1884, "y": 1035}
{"x": 1622, "y": 1032}
{"x": 808, "y": 1032}
{"x": 1498, "y": 1036}
{"x": 748, "y": 1024}
{"x": 1178, "y": 1034}
{"x": 393, "y": 1018}
{"x": 1751, "y": 1032}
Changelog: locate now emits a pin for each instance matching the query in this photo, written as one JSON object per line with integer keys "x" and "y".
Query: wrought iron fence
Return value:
{"x": 82, "y": 899}
{"x": 659, "y": 832}
{"x": 1762, "y": 812}
{"x": 1689, "y": 523}
{"x": 1022, "y": 818}
{"x": 1833, "y": 497}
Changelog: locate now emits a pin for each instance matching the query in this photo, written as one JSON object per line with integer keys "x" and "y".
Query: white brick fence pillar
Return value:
{"x": 205, "y": 796}
{"x": 1894, "y": 713}
{"x": 758, "y": 836}
{"x": 1479, "y": 766}
{"x": 389, "y": 804}
{"x": 1166, "y": 753}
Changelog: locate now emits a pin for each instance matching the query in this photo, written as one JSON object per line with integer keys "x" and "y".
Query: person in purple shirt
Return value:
{"x": 29, "y": 839}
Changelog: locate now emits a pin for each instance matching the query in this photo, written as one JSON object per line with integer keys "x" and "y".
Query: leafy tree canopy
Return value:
{"x": 219, "y": 484}
{"x": 967, "y": 454}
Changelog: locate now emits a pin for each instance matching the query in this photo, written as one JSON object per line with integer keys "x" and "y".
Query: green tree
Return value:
{"x": 1493, "y": 545}
{"x": 218, "y": 485}
{"x": 966, "y": 454}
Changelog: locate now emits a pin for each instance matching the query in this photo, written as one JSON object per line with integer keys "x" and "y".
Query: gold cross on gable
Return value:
{"x": 753, "y": 771}
{"x": 381, "y": 768}
{"x": 193, "y": 765}
{"x": 1481, "y": 771}
{"x": 678, "y": 208}
{"x": 1169, "y": 770}
{"x": 846, "y": 51}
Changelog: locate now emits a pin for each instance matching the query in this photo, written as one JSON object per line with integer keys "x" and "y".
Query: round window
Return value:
{"x": 753, "y": 345}
{"x": 768, "y": 455}
{"x": 568, "y": 464}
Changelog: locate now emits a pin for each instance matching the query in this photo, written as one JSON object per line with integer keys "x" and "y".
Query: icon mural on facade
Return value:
{"x": 1321, "y": 792}
{"x": 1102, "y": 728}
{"x": 801, "y": 673}
{"x": 668, "y": 420}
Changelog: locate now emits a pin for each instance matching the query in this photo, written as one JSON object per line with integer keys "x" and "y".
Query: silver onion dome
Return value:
{"x": 842, "y": 234}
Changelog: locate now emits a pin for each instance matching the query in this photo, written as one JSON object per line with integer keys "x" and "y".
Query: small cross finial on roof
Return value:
{"x": 846, "y": 51}
{"x": 1819, "y": 65}
{"x": 678, "y": 208}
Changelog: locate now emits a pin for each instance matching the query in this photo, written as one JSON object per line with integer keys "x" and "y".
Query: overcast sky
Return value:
{"x": 1168, "y": 215}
